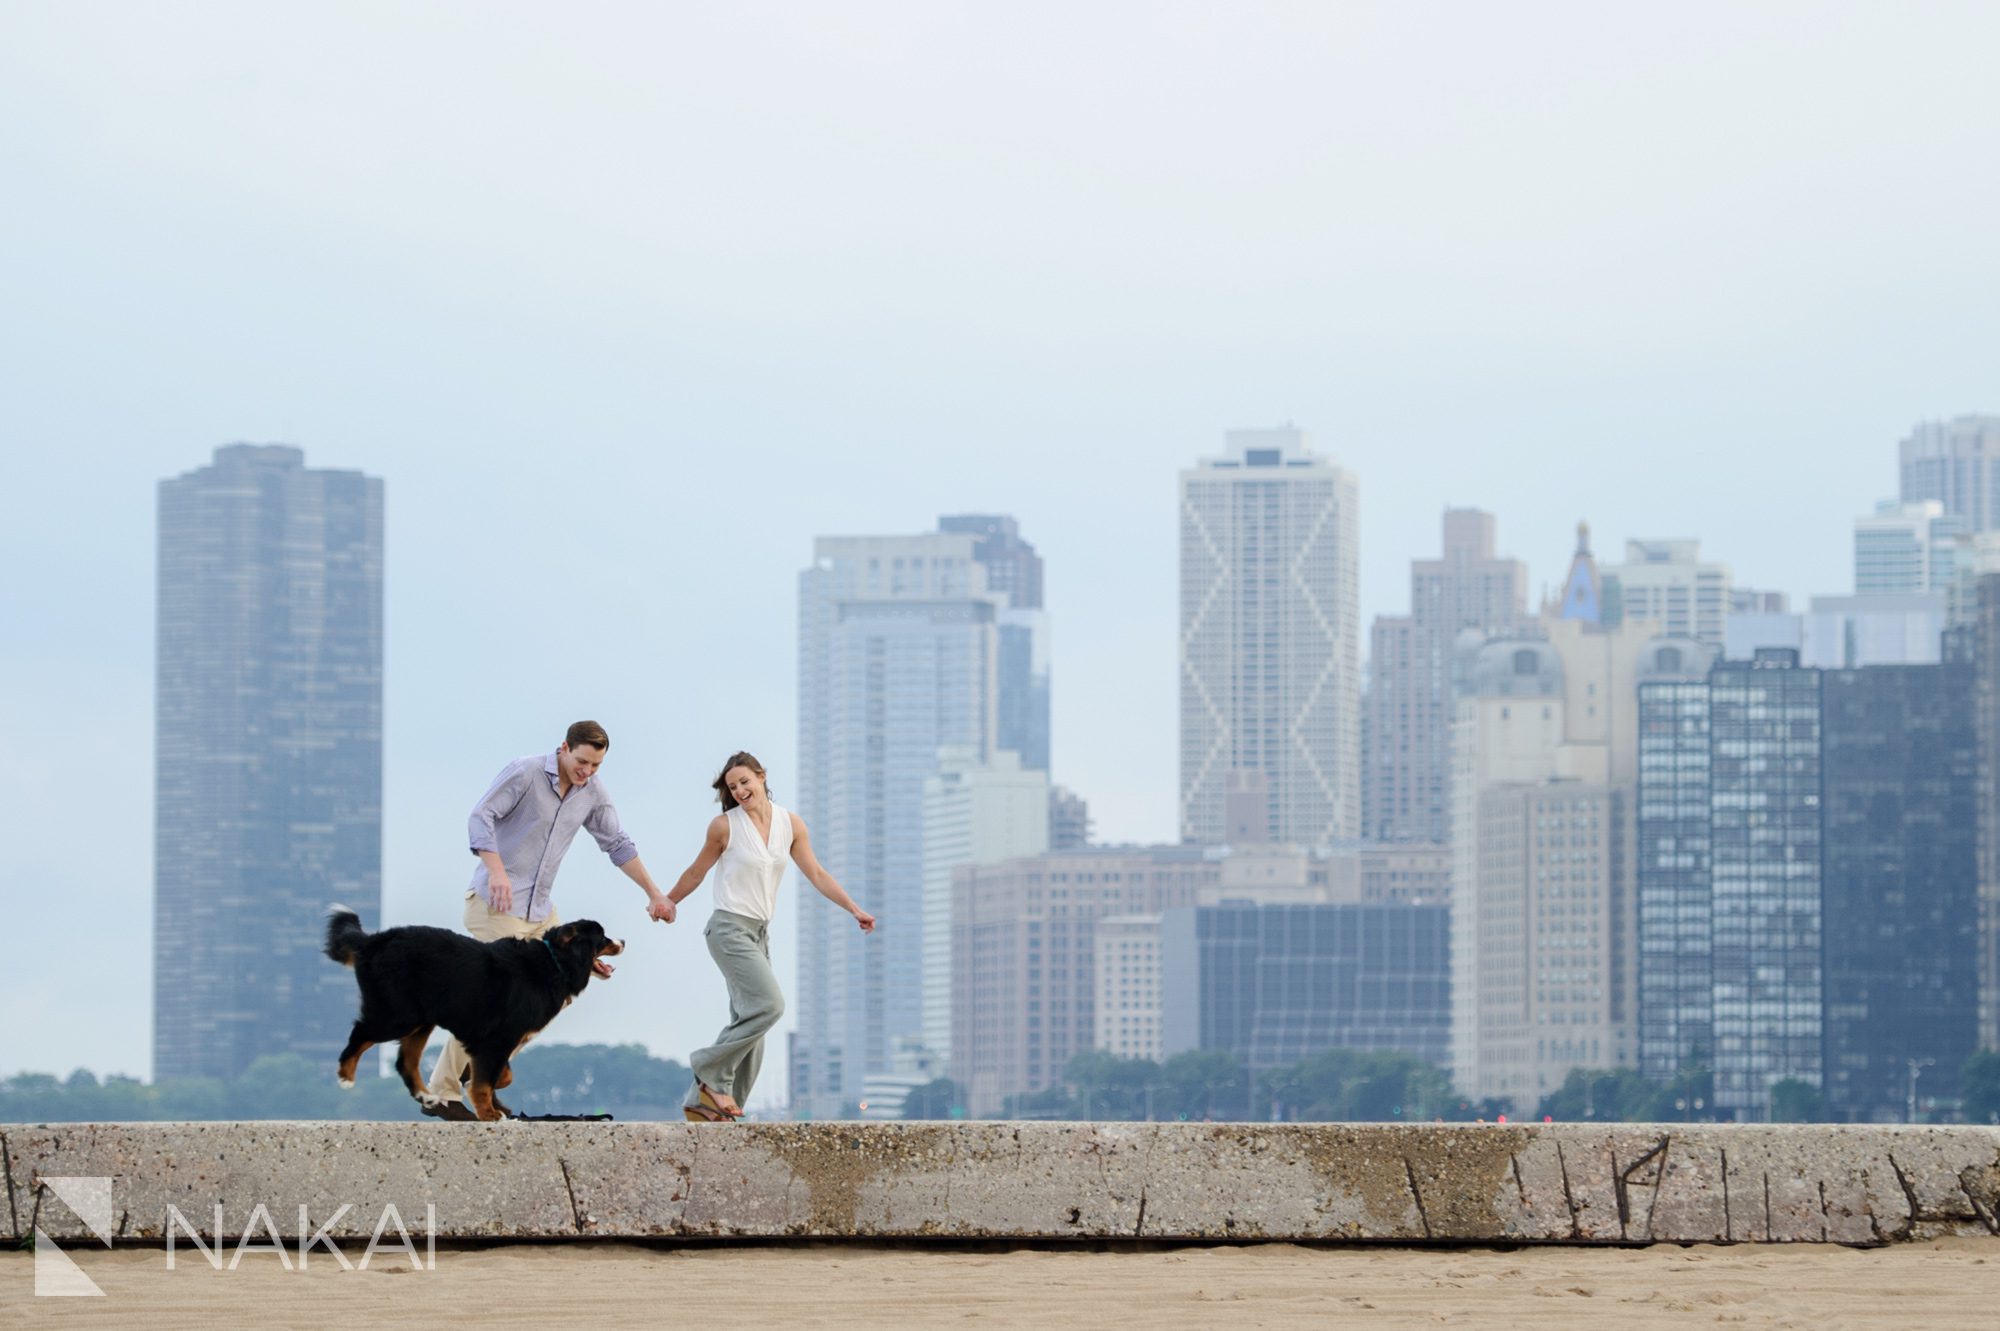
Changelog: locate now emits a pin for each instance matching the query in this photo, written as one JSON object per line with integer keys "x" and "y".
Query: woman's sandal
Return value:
{"x": 703, "y": 1114}
{"x": 721, "y": 1104}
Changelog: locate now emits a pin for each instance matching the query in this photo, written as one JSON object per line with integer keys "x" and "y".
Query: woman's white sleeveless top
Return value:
{"x": 748, "y": 874}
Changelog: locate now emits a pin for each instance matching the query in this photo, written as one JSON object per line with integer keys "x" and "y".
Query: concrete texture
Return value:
{"x": 1567, "y": 1183}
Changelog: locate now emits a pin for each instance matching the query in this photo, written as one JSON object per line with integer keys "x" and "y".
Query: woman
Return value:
{"x": 747, "y": 846}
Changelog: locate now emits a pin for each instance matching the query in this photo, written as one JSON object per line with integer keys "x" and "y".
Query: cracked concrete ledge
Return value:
{"x": 1563, "y": 1183}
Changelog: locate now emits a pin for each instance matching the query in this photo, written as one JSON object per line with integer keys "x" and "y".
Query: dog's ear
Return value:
{"x": 563, "y": 935}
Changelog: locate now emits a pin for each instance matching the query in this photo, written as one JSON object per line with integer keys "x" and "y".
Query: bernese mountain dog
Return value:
{"x": 492, "y": 996}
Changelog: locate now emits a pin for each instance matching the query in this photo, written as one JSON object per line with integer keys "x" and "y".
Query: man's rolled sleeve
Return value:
{"x": 495, "y": 804}
{"x": 611, "y": 839}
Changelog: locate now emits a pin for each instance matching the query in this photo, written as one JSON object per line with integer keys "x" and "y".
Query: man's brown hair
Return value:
{"x": 587, "y": 732}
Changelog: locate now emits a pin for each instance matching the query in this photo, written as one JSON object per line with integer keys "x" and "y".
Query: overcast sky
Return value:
{"x": 626, "y": 303}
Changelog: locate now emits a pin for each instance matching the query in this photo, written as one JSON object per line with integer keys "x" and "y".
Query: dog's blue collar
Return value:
{"x": 552, "y": 952}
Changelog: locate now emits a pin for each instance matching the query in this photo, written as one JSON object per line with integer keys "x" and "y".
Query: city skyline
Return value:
{"x": 637, "y": 339}
{"x": 969, "y": 532}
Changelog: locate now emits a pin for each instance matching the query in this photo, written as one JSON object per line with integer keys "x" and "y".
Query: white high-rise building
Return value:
{"x": 898, "y": 659}
{"x": 1906, "y": 549}
{"x": 1957, "y": 463}
{"x": 1545, "y": 757}
{"x": 1128, "y": 986}
{"x": 974, "y": 813}
{"x": 1270, "y": 639}
{"x": 1667, "y": 584}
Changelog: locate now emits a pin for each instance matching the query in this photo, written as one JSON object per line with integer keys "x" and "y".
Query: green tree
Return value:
{"x": 284, "y": 1086}
{"x": 1602, "y": 1095}
{"x": 124, "y": 1100}
{"x": 1980, "y": 1085}
{"x": 1106, "y": 1086}
{"x": 1204, "y": 1084}
{"x": 34, "y": 1097}
{"x": 1358, "y": 1085}
{"x": 621, "y": 1079}
{"x": 190, "y": 1099}
{"x": 1049, "y": 1102}
{"x": 1796, "y": 1101}
{"x": 1688, "y": 1098}
{"x": 935, "y": 1099}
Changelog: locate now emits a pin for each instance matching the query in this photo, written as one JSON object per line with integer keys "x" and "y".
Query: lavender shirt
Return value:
{"x": 529, "y": 826}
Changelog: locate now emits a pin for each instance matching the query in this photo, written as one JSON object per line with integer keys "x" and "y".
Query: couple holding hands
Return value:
{"x": 524, "y": 823}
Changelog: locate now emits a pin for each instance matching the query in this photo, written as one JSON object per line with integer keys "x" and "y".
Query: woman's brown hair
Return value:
{"x": 721, "y": 783}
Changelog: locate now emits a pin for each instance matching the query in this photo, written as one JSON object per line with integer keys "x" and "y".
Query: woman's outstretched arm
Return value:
{"x": 816, "y": 874}
{"x": 712, "y": 846}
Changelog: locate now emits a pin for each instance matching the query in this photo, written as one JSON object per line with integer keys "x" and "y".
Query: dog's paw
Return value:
{"x": 429, "y": 1101}
{"x": 346, "y": 1083}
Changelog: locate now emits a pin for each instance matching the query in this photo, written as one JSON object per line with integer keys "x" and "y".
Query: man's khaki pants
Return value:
{"x": 486, "y": 924}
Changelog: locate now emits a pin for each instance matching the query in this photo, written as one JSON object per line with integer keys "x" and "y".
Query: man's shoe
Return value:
{"x": 453, "y": 1110}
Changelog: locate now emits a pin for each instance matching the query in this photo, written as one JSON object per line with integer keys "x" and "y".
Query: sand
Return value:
{"x": 1955, "y": 1283}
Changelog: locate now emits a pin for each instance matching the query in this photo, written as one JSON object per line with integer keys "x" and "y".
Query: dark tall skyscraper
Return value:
{"x": 1764, "y": 866}
{"x": 1899, "y": 883}
{"x": 1986, "y": 720}
{"x": 269, "y": 755}
{"x": 1676, "y": 987}
{"x": 1014, "y": 573}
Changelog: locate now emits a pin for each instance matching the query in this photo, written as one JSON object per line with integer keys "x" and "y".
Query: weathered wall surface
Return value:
{"x": 1567, "y": 1183}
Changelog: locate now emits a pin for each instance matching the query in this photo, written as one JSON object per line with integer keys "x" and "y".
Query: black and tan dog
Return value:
{"x": 492, "y": 996}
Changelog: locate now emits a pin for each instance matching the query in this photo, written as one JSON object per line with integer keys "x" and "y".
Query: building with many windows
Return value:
{"x": 1906, "y": 549}
{"x": 1666, "y": 584}
{"x": 1957, "y": 463}
{"x": 1545, "y": 758}
{"x": 898, "y": 659}
{"x": 1273, "y": 984}
{"x": 1021, "y": 647}
{"x": 1898, "y": 883}
{"x": 1024, "y": 956}
{"x": 1984, "y": 633}
{"x": 974, "y": 813}
{"x": 268, "y": 755}
{"x": 1809, "y": 879}
{"x": 1269, "y": 650}
{"x": 1676, "y": 989}
{"x": 1129, "y": 984}
{"x": 1406, "y": 735}
{"x": 1764, "y": 871}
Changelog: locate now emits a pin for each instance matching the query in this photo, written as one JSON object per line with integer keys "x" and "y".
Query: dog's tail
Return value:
{"x": 344, "y": 934}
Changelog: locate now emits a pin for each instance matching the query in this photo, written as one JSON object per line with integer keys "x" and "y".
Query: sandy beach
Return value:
{"x": 1953, "y": 1283}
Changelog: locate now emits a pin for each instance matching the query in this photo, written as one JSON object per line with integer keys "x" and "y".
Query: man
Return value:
{"x": 520, "y": 829}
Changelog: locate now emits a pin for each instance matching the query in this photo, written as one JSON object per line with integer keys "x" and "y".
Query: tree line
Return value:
{"x": 1339, "y": 1085}
{"x": 1349, "y": 1085}
{"x": 1214, "y": 1085}
{"x": 622, "y": 1080}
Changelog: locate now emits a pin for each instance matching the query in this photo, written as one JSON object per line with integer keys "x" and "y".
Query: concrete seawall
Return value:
{"x": 1566, "y": 1183}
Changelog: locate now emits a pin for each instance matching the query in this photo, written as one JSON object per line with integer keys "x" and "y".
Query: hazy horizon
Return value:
{"x": 627, "y": 304}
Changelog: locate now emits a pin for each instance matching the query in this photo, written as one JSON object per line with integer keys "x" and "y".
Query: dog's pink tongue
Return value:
{"x": 602, "y": 967}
